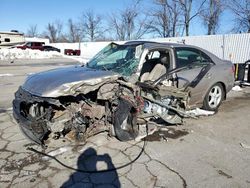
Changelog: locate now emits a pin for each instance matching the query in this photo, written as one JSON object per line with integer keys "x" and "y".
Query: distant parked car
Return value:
{"x": 72, "y": 52}
{"x": 32, "y": 45}
{"x": 51, "y": 48}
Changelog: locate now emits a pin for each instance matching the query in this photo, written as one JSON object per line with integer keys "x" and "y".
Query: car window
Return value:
{"x": 191, "y": 56}
{"x": 28, "y": 44}
{"x": 154, "y": 55}
{"x": 121, "y": 54}
{"x": 123, "y": 59}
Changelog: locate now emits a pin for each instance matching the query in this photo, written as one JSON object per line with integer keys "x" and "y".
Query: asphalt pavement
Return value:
{"x": 211, "y": 151}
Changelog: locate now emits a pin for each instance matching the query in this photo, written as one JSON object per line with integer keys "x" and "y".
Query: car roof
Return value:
{"x": 35, "y": 42}
{"x": 153, "y": 44}
{"x": 47, "y": 46}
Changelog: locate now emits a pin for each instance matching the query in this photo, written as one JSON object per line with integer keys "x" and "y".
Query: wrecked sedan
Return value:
{"x": 122, "y": 88}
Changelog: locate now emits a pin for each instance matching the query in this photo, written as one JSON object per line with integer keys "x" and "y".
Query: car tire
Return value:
{"x": 125, "y": 121}
{"x": 214, "y": 97}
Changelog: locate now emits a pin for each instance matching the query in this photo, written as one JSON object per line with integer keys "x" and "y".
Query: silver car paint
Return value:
{"x": 220, "y": 72}
{"x": 66, "y": 81}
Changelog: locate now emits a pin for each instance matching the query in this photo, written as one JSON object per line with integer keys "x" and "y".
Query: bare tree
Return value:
{"x": 175, "y": 12}
{"x": 51, "y": 32}
{"x": 54, "y": 31}
{"x": 32, "y": 31}
{"x": 129, "y": 23}
{"x": 241, "y": 10}
{"x": 141, "y": 27}
{"x": 128, "y": 18}
{"x": 117, "y": 25}
{"x": 161, "y": 17}
{"x": 211, "y": 14}
{"x": 188, "y": 16}
{"x": 74, "y": 31}
{"x": 165, "y": 18}
{"x": 92, "y": 25}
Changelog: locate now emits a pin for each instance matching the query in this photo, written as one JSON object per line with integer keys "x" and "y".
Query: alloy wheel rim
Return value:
{"x": 214, "y": 97}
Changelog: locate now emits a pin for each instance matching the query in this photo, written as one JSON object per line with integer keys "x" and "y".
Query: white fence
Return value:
{"x": 234, "y": 47}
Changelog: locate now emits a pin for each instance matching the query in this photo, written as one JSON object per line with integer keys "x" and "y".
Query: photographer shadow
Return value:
{"x": 87, "y": 161}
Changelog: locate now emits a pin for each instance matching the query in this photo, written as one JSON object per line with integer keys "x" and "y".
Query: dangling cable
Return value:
{"x": 92, "y": 171}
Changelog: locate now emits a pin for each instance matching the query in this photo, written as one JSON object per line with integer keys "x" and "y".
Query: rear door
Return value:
{"x": 196, "y": 74}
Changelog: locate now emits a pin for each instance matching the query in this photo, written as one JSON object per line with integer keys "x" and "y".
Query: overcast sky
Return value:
{"x": 20, "y": 14}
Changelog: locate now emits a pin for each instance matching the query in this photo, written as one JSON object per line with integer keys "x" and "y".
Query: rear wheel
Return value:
{"x": 214, "y": 97}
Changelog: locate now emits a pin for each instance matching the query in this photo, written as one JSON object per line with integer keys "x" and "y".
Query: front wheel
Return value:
{"x": 125, "y": 121}
{"x": 214, "y": 97}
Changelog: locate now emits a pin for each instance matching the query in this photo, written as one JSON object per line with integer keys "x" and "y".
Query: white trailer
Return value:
{"x": 8, "y": 39}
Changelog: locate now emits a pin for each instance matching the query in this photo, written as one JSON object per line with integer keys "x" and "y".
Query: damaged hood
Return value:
{"x": 67, "y": 81}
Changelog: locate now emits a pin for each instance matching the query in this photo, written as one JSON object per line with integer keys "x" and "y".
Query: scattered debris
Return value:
{"x": 163, "y": 135}
{"x": 145, "y": 131}
{"x": 237, "y": 88}
{"x": 56, "y": 152}
{"x": 19, "y": 164}
{"x": 245, "y": 146}
{"x": 33, "y": 180}
{"x": 224, "y": 174}
{"x": 200, "y": 112}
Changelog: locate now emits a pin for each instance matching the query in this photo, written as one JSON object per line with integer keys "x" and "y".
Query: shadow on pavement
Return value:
{"x": 87, "y": 161}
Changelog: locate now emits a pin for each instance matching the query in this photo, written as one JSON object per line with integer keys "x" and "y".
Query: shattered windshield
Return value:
{"x": 123, "y": 59}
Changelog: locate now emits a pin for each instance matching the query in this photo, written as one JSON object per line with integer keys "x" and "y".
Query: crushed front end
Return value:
{"x": 74, "y": 116}
{"x": 32, "y": 119}
{"x": 117, "y": 107}
{"x": 77, "y": 116}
